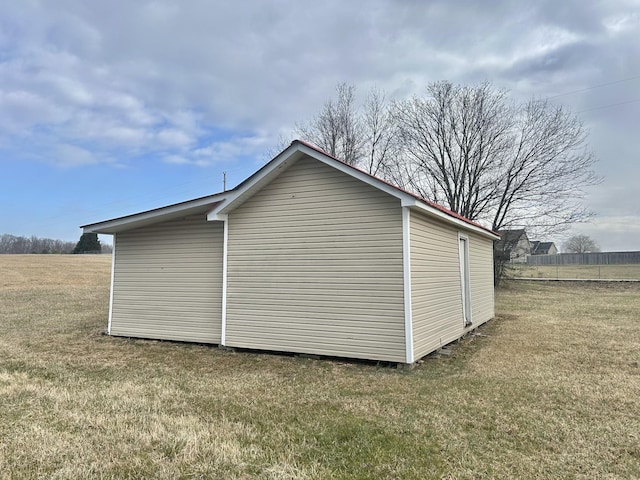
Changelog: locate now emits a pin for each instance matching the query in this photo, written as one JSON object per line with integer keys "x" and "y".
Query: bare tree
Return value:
{"x": 338, "y": 128}
{"x": 278, "y": 146}
{"x": 581, "y": 244}
{"x": 470, "y": 149}
{"x": 543, "y": 179}
{"x": 366, "y": 137}
{"x": 503, "y": 164}
{"x": 454, "y": 139}
{"x": 381, "y": 146}
{"x": 488, "y": 159}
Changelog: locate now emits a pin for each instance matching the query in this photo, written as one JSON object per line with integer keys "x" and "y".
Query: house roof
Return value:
{"x": 510, "y": 238}
{"x": 220, "y": 204}
{"x": 162, "y": 214}
{"x": 298, "y": 149}
{"x": 540, "y": 248}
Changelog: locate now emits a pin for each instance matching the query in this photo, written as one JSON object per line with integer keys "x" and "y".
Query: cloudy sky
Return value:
{"x": 109, "y": 108}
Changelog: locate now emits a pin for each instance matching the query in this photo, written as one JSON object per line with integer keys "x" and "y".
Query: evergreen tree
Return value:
{"x": 88, "y": 243}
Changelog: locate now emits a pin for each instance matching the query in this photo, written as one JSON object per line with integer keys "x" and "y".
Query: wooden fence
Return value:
{"x": 601, "y": 258}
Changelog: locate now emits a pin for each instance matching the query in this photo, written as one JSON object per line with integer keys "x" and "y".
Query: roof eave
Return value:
{"x": 434, "y": 212}
{"x": 170, "y": 212}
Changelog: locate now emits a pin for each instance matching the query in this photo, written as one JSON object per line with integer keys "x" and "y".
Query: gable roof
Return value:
{"x": 299, "y": 149}
{"x": 510, "y": 238}
{"x": 541, "y": 248}
{"x": 218, "y": 205}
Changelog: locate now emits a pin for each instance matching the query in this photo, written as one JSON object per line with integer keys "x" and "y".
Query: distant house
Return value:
{"x": 308, "y": 255}
{"x": 513, "y": 246}
{"x": 543, "y": 248}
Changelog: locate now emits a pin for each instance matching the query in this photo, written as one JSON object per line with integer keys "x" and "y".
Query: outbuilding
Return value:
{"x": 307, "y": 255}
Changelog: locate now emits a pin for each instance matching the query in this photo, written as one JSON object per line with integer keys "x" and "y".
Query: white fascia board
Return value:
{"x": 354, "y": 172}
{"x": 154, "y": 216}
{"x": 426, "y": 208}
{"x": 261, "y": 177}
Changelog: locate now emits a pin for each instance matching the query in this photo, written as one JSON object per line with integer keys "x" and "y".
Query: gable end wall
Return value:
{"x": 315, "y": 266}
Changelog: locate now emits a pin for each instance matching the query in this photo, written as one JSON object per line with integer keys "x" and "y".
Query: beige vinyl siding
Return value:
{"x": 436, "y": 293}
{"x": 481, "y": 278}
{"x": 435, "y": 284}
{"x": 315, "y": 266}
{"x": 168, "y": 281}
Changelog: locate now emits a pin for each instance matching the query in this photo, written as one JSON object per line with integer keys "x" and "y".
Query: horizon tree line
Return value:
{"x": 12, "y": 244}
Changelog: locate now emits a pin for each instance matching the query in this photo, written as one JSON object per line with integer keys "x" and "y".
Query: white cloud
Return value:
{"x": 176, "y": 160}
{"x": 621, "y": 23}
{"x": 207, "y": 82}
{"x": 252, "y": 148}
{"x": 25, "y": 109}
{"x": 613, "y": 233}
{"x": 73, "y": 156}
{"x": 173, "y": 137}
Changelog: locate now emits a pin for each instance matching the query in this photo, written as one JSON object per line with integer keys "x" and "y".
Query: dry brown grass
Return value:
{"x": 551, "y": 390}
{"x": 578, "y": 272}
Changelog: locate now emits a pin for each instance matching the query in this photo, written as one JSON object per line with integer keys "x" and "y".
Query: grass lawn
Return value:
{"x": 550, "y": 389}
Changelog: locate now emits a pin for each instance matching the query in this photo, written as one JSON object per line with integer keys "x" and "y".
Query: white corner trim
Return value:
{"x": 406, "y": 268}
{"x": 465, "y": 280}
{"x": 225, "y": 243}
{"x": 113, "y": 277}
{"x": 212, "y": 216}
